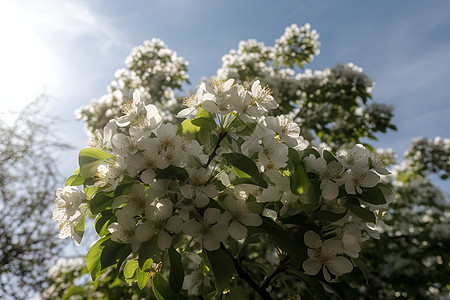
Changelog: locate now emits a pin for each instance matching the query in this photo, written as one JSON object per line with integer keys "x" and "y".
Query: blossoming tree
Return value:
{"x": 260, "y": 185}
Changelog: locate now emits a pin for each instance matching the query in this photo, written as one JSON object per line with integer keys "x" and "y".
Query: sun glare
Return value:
{"x": 26, "y": 61}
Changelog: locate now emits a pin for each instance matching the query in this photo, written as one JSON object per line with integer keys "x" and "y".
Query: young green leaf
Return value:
{"x": 328, "y": 156}
{"x": 105, "y": 253}
{"x": 79, "y": 227}
{"x": 363, "y": 213}
{"x": 205, "y": 123}
{"x": 299, "y": 181}
{"x": 149, "y": 250}
{"x": 130, "y": 268}
{"x": 89, "y": 159}
{"x": 100, "y": 202}
{"x": 75, "y": 179}
{"x": 102, "y": 222}
{"x": 143, "y": 273}
{"x": 242, "y": 165}
{"x": 373, "y": 195}
{"x": 188, "y": 128}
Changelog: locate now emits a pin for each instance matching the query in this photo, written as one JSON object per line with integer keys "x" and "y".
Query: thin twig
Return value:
{"x": 246, "y": 277}
{"x": 222, "y": 135}
{"x": 280, "y": 269}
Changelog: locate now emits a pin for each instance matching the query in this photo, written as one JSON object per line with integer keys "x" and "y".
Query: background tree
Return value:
{"x": 28, "y": 178}
{"x": 333, "y": 108}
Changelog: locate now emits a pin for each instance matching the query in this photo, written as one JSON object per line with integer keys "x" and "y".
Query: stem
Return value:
{"x": 246, "y": 277}
{"x": 280, "y": 269}
{"x": 222, "y": 135}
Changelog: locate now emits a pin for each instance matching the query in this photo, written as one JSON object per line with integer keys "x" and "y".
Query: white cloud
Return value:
{"x": 31, "y": 32}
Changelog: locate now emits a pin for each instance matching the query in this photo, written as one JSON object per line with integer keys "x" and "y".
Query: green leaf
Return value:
{"x": 90, "y": 191}
{"x": 242, "y": 165}
{"x": 258, "y": 181}
{"x": 143, "y": 273}
{"x": 309, "y": 151}
{"x": 297, "y": 219}
{"x": 287, "y": 240}
{"x": 294, "y": 158}
{"x": 207, "y": 124}
{"x": 73, "y": 290}
{"x": 187, "y": 128}
{"x": 79, "y": 227}
{"x": 100, "y": 202}
{"x": 362, "y": 267}
{"x": 373, "y": 195}
{"x": 238, "y": 293}
{"x": 102, "y": 222}
{"x": 299, "y": 181}
{"x": 176, "y": 276}
{"x": 172, "y": 172}
{"x": 328, "y": 156}
{"x": 315, "y": 287}
{"x": 89, "y": 159}
{"x": 130, "y": 268}
{"x": 75, "y": 179}
{"x": 222, "y": 267}
{"x": 363, "y": 213}
{"x": 207, "y": 139}
{"x": 328, "y": 216}
{"x": 203, "y": 114}
{"x": 105, "y": 253}
{"x": 149, "y": 250}
{"x": 161, "y": 288}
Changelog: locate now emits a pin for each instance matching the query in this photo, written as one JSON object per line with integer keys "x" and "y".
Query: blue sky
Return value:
{"x": 72, "y": 49}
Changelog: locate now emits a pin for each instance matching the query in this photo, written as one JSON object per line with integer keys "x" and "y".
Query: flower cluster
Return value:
{"x": 334, "y": 84}
{"x": 227, "y": 172}
{"x": 430, "y": 155}
{"x": 297, "y": 45}
{"x": 154, "y": 70}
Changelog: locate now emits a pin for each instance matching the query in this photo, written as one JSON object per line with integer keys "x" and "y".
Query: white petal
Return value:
{"x": 252, "y": 219}
{"x": 200, "y": 199}
{"x": 164, "y": 240}
{"x": 220, "y": 231}
{"x": 332, "y": 247}
{"x": 187, "y": 191}
{"x": 370, "y": 179}
{"x": 339, "y": 265}
{"x": 211, "y": 215}
{"x": 192, "y": 228}
{"x": 237, "y": 230}
{"x": 174, "y": 224}
{"x": 210, "y": 106}
{"x": 350, "y": 186}
{"x": 144, "y": 232}
{"x": 165, "y": 208}
{"x": 147, "y": 176}
{"x": 312, "y": 239}
{"x": 312, "y": 266}
{"x": 210, "y": 243}
{"x": 330, "y": 189}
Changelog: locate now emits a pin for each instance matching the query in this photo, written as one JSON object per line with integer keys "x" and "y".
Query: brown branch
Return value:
{"x": 222, "y": 135}
{"x": 246, "y": 277}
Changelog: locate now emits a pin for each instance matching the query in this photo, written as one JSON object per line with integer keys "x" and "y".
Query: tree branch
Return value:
{"x": 246, "y": 277}
{"x": 280, "y": 269}
{"x": 222, "y": 135}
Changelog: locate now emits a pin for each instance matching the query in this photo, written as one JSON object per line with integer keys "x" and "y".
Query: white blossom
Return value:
{"x": 324, "y": 255}
{"x": 68, "y": 211}
{"x": 211, "y": 229}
